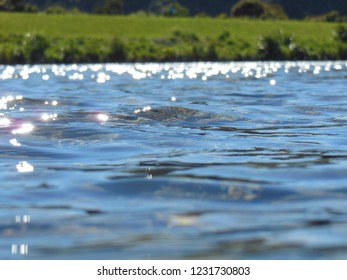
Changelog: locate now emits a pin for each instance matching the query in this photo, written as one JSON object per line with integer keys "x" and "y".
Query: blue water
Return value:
{"x": 174, "y": 161}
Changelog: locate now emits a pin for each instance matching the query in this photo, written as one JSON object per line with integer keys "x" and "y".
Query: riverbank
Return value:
{"x": 41, "y": 38}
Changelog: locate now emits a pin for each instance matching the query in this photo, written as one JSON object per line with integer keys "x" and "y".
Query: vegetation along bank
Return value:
{"x": 73, "y": 38}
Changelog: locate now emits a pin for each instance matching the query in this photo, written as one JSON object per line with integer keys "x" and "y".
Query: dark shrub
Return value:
{"x": 333, "y": 16}
{"x": 340, "y": 33}
{"x": 342, "y": 51}
{"x": 269, "y": 48}
{"x": 248, "y": 8}
{"x": 11, "y": 53}
{"x": 35, "y": 46}
{"x": 298, "y": 53}
{"x": 118, "y": 51}
{"x": 17, "y": 6}
{"x": 258, "y": 9}
{"x": 211, "y": 52}
{"x": 224, "y": 36}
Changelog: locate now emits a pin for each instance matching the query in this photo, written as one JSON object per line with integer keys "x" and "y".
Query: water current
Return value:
{"x": 174, "y": 161}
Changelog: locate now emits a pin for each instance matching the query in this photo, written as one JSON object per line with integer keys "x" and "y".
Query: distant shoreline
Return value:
{"x": 39, "y": 38}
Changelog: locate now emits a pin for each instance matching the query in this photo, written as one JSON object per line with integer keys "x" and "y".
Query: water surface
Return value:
{"x": 174, "y": 161}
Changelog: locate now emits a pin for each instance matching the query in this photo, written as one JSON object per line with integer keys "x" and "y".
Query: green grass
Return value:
{"x": 155, "y": 27}
{"x": 96, "y": 38}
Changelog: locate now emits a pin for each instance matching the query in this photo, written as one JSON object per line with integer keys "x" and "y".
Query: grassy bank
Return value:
{"x": 40, "y": 38}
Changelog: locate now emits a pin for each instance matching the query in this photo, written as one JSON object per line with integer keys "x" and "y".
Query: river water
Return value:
{"x": 174, "y": 161}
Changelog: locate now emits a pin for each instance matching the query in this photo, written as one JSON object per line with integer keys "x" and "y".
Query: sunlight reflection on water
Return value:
{"x": 174, "y": 160}
{"x": 103, "y": 73}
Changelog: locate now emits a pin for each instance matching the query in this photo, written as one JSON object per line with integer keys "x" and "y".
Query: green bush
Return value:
{"x": 222, "y": 16}
{"x": 75, "y": 11}
{"x": 71, "y": 50}
{"x": 11, "y": 54}
{"x": 56, "y": 9}
{"x": 60, "y": 10}
{"x": 95, "y": 50}
{"x": 333, "y": 16}
{"x": 140, "y": 13}
{"x": 169, "y": 54}
{"x": 56, "y": 52}
{"x": 31, "y": 8}
{"x": 35, "y": 46}
{"x": 179, "y": 46}
{"x": 184, "y": 37}
{"x": 197, "y": 52}
{"x": 142, "y": 50}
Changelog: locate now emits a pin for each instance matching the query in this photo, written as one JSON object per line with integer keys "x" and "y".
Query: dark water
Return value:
{"x": 174, "y": 161}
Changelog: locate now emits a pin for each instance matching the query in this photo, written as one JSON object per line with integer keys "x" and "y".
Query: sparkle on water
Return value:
{"x": 174, "y": 160}
{"x": 24, "y": 166}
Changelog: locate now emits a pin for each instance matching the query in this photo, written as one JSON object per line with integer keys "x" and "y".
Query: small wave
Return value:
{"x": 181, "y": 115}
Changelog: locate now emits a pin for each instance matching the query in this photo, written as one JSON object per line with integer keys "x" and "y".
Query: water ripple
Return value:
{"x": 174, "y": 160}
